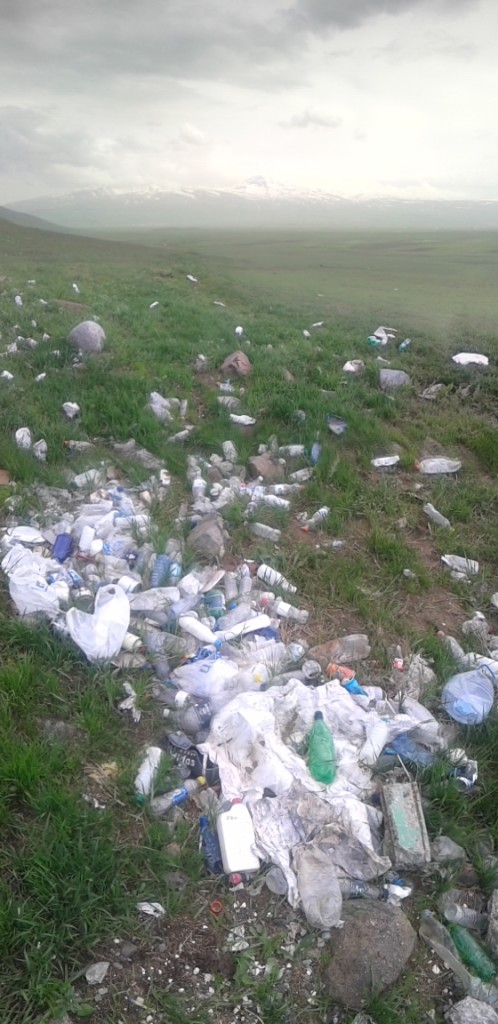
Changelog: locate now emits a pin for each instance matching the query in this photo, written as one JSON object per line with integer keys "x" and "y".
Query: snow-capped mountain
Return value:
{"x": 253, "y": 203}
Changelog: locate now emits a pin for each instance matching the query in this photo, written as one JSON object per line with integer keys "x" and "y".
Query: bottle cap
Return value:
{"x": 318, "y": 715}
{"x": 237, "y": 800}
{"x": 201, "y": 779}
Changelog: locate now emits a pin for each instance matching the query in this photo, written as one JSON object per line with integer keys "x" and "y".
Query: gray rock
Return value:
{"x": 369, "y": 953}
{"x": 207, "y": 539}
{"x": 391, "y": 379}
{"x": 237, "y": 363}
{"x": 263, "y": 465}
{"x": 444, "y": 849}
{"x": 472, "y": 1011}
{"x": 176, "y": 880}
{"x": 97, "y": 972}
{"x": 492, "y": 935}
{"x": 128, "y": 950}
{"x": 87, "y": 336}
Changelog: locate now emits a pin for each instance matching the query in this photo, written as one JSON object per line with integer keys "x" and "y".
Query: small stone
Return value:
{"x": 207, "y": 539}
{"x": 288, "y": 376}
{"x": 173, "y": 850}
{"x": 87, "y": 336}
{"x": 128, "y": 950}
{"x": 264, "y": 466}
{"x": 237, "y": 363}
{"x": 214, "y": 475}
{"x": 97, "y": 972}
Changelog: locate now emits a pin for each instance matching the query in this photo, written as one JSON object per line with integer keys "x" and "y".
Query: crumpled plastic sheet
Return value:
{"x": 100, "y": 635}
{"x": 255, "y": 741}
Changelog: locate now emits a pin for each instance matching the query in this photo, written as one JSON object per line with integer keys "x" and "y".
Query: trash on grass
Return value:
{"x": 438, "y": 465}
{"x": 469, "y": 358}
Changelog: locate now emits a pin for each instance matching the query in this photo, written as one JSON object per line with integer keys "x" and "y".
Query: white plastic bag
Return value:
{"x": 467, "y": 358}
{"x": 101, "y": 635}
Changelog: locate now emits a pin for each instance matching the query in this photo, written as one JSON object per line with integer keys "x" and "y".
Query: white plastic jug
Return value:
{"x": 469, "y": 696}
{"x": 237, "y": 839}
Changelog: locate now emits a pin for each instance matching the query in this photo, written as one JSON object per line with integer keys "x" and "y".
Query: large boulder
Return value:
{"x": 369, "y": 953}
{"x": 87, "y": 336}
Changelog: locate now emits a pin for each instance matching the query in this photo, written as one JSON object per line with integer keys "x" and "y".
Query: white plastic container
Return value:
{"x": 195, "y": 628}
{"x": 147, "y": 772}
{"x": 237, "y": 839}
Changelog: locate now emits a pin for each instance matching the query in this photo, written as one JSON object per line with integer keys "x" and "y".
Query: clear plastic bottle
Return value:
{"x": 265, "y": 532}
{"x": 210, "y": 846}
{"x": 436, "y": 516}
{"x": 431, "y": 467}
{"x": 321, "y": 751}
{"x": 287, "y": 611}
{"x": 469, "y": 696}
{"x": 275, "y": 579}
{"x": 356, "y": 889}
{"x": 147, "y": 772}
{"x": 189, "y": 715}
{"x": 160, "y": 805}
{"x": 315, "y": 520}
{"x": 160, "y": 571}
{"x": 465, "y": 916}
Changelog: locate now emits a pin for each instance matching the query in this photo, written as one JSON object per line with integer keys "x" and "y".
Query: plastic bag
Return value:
{"x": 318, "y": 887}
{"x": 101, "y": 635}
{"x": 466, "y": 358}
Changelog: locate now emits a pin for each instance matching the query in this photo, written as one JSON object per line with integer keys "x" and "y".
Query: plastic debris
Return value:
{"x": 151, "y": 909}
{"x": 385, "y": 461}
{"x": 71, "y": 410}
{"x": 461, "y": 568}
{"x": 470, "y": 358}
{"x": 439, "y": 465}
{"x": 436, "y": 516}
{"x": 96, "y": 973}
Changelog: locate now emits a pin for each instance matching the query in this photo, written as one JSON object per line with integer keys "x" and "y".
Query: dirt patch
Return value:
{"x": 72, "y": 307}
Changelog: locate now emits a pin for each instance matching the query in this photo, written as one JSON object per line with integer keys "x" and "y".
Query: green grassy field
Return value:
{"x": 71, "y": 875}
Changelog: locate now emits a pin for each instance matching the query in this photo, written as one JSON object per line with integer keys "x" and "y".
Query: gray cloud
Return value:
{"x": 308, "y": 118}
{"x": 314, "y": 15}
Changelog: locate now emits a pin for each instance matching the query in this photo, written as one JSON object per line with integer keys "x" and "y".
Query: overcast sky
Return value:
{"x": 372, "y": 97}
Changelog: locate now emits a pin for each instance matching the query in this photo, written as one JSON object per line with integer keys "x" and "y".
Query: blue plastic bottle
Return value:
{"x": 210, "y": 847}
{"x": 160, "y": 571}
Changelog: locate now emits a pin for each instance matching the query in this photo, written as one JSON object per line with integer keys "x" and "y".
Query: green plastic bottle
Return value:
{"x": 321, "y": 751}
{"x": 472, "y": 952}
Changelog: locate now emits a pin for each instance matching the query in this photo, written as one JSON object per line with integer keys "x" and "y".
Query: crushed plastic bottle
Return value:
{"x": 160, "y": 805}
{"x": 472, "y": 953}
{"x": 144, "y": 780}
{"x": 275, "y": 579}
{"x": 385, "y": 461}
{"x": 210, "y": 847}
{"x": 356, "y": 889}
{"x": 436, "y": 516}
{"x": 316, "y": 519}
{"x": 322, "y": 762}
{"x": 435, "y": 466}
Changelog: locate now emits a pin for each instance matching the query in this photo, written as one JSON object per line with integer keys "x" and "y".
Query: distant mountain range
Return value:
{"x": 27, "y": 220}
{"x": 255, "y": 203}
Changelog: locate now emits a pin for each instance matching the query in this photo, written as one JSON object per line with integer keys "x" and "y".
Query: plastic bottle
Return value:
{"x": 188, "y": 759}
{"x": 247, "y": 626}
{"x": 315, "y": 521}
{"x": 196, "y": 629}
{"x": 472, "y": 953}
{"x": 468, "y": 697}
{"x": 301, "y": 476}
{"x": 316, "y": 451}
{"x": 160, "y": 571}
{"x": 237, "y": 839}
{"x": 404, "y": 345}
{"x": 274, "y": 501}
{"x": 432, "y": 467}
{"x": 340, "y": 672}
{"x": 294, "y": 488}
{"x": 147, "y": 772}
{"x": 208, "y": 678}
{"x": 230, "y": 585}
{"x": 465, "y": 916}
{"x": 160, "y": 805}
{"x": 385, "y": 461}
{"x": 356, "y": 889}
{"x": 287, "y": 611}
{"x": 188, "y": 714}
{"x": 293, "y": 451}
{"x": 436, "y": 516}
{"x": 210, "y": 847}
{"x": 321, "y": 751}
{"x": 275, "y": 579}
{"x": 265, "y": 532}
{"x": 199, "y": 487}
{"x": 440, "y": 940}
{"x": 241, "y": 612}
